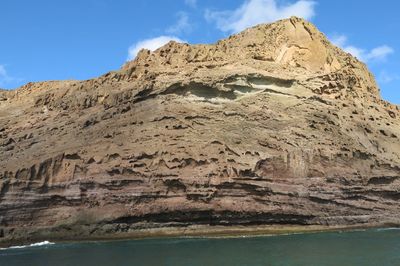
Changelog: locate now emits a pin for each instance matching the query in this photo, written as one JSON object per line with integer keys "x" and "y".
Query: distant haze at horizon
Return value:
{"x": 45, "y": 40}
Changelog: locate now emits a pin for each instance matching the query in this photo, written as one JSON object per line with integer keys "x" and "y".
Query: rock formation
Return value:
{"x": 274, "y": 125}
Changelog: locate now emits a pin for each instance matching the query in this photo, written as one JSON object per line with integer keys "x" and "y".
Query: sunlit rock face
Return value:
{"x": 274, "y": 125}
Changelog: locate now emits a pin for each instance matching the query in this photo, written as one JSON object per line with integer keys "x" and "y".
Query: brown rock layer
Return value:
{"x": 273, "y": 125}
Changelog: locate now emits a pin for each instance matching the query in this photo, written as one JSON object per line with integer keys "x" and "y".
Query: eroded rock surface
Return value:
{"x": 274, "y": 125}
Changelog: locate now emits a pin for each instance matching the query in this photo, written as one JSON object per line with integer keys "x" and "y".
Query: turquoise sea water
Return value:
{"x": 371, "y": 247}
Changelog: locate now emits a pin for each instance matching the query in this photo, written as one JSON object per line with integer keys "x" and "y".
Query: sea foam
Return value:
{"x": 38, "y": 244}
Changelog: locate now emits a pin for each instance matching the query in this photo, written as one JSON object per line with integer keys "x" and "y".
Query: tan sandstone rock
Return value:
{"x": 273, "y": 125}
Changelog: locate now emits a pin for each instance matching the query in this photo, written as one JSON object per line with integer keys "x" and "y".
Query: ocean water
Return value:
{"x": 370, "y": 247}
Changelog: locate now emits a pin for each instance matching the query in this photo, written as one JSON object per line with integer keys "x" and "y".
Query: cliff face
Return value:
{"x": 273, "y": 125}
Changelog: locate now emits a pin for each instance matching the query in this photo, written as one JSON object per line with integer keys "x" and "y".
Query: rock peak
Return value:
{"x": 291, "y": 48}
{"x": 294, "y": 42}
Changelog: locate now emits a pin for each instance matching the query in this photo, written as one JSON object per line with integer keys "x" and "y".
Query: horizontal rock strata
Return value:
{"x": 274, "y": 125}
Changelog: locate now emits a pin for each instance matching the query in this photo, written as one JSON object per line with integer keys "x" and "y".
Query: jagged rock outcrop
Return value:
{"x": 274, "y": 125}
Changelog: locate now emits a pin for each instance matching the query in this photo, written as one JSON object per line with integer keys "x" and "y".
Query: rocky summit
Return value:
{"x": 271, "y": 126}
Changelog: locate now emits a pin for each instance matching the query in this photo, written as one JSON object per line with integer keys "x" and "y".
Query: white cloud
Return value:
{"x": 3, "y": 72}
{"x": 380, "y": 52}
{"x": 253, "y": 12}
{"x": 182, "y": 25}
{"x": 191, "y": 3}
{"x": 4, "y": 77}
{"x": 377, "y": 53}
{"x": 339, "y": 40}
{"x": 385, "y": 77}
{"x": 150, "y": 44}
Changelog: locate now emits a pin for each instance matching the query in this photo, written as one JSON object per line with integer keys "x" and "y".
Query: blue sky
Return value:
{"x": 81, "y": 39}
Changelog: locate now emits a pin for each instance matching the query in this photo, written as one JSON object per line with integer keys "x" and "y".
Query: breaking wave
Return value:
{"x": 38, "y": 244}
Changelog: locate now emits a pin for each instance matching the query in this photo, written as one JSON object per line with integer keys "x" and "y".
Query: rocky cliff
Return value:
{"x": 274, "y": 125}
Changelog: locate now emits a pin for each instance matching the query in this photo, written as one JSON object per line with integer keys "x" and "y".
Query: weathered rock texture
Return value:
{"x": 274, "y": 125}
